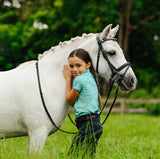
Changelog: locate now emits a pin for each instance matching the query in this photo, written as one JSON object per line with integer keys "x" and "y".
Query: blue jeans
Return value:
{"x": 87, "y": 137}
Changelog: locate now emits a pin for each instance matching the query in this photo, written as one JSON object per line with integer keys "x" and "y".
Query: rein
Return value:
{"x": 44, "y": 105}
{"x": 115, "y": 77}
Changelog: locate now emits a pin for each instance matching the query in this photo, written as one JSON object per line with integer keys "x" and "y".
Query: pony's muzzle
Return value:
{"x": 128, "y": 83}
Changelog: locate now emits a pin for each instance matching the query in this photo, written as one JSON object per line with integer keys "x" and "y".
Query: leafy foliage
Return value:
{"x": 153, "y": 109}
{"x": 21, "y": 41}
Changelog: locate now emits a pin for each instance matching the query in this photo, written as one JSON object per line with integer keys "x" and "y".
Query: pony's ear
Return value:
{"x": 113, "y": 32}
{"x": 105, "y": 32}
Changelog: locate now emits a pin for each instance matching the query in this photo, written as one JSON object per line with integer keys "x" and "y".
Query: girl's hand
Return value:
{"x": 67, "y": 73}
{"x": 71, "y": 94}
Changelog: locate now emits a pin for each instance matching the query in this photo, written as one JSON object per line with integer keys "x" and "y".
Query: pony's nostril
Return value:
{"x": 132, "y": 80}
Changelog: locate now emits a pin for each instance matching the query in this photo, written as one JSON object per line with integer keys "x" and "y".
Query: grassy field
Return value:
{"x": 132, "y": 136}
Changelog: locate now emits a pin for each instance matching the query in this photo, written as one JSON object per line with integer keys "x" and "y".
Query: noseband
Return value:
{"x": 116, "y": 76}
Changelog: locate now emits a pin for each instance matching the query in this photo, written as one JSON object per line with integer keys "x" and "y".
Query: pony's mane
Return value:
{"x": 61, "y": 44}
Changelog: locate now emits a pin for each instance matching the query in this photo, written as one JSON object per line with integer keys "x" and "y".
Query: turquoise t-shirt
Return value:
{"x": 87, "y": 101}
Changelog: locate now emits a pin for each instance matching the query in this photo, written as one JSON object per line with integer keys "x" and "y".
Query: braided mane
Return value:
{"x": 65, "y": 43}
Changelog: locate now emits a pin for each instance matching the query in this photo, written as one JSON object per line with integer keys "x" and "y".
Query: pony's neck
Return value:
{"x": 55, "y": 58}
{"x": 67, "y": 46}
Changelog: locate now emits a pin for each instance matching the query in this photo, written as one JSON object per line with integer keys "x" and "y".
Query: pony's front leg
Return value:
{"x": 36, "y": 139}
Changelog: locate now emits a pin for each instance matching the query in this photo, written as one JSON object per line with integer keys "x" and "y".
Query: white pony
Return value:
{"x": 21, "y": 109}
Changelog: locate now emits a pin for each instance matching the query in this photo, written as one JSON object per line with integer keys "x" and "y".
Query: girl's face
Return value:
{"x": 78, "y": 66}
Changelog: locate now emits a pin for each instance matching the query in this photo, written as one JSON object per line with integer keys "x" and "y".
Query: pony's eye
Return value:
{"x": 112, "y": 53}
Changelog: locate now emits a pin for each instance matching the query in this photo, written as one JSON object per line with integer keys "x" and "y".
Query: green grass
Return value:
{"x": 132, "y": 136}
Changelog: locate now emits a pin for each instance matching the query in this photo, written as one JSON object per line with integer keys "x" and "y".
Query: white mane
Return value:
{"x": 65, "y": 43}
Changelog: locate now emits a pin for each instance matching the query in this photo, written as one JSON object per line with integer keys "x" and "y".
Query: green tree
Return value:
{"x": 139, "y": 24}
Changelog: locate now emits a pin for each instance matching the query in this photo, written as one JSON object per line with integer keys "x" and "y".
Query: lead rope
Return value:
{"x": 44, "y": 105}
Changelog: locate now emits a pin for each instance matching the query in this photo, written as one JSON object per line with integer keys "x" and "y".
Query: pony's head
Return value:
{"x": 110, "y": 62}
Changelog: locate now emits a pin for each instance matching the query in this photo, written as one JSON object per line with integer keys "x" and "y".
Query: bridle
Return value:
{"x": 116, "y": 76}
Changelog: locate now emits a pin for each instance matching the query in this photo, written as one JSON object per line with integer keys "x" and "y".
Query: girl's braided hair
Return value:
{"x": 84, "y": 55}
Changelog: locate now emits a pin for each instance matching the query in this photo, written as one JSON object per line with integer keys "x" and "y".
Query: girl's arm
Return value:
{"x": 71, "y": 94}
{"x": 99, "y": 99}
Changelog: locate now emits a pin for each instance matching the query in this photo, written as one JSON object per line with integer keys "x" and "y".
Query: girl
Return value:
{"x": 86, "y": 99}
